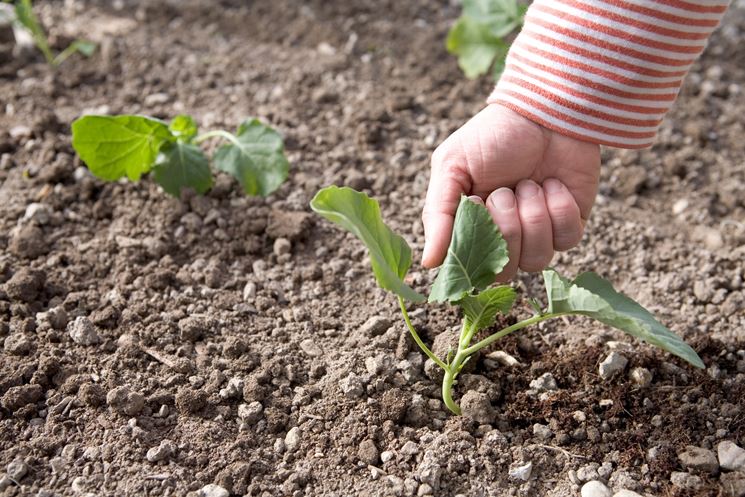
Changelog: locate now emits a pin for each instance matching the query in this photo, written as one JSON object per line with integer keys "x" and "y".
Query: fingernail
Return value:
{"x": 553, "y": 186}
{"x": 475, "y": 199}
{"x": 527, "y": 189}
{"x": 503, "y": 199}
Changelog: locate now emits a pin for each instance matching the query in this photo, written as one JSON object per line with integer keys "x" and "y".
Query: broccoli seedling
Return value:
{"x": 117, "y": 146}
{"x": 477, "y": 253}
{"x": 24, "y": 18}
{"x": 478, "y": 36}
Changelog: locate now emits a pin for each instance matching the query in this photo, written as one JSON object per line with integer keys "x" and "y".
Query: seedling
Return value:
{"x": 117, "y": 146}
{"x": 477, "y": 253}
{"x": 25, "y": 19}
{"x": 478, "y": 37}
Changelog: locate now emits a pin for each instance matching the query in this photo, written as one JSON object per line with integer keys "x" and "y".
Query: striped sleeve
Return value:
{"x": 604, "y": 71}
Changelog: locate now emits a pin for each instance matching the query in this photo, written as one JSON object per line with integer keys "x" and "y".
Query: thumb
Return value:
{"x": 448, "y": 182}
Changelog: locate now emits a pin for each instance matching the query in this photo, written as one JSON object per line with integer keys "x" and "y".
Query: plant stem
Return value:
{"x": 447, "y": 390}
{"x": 217, "y": 134}
{"x": 506, "y": 331}
{"x": 416, "y": 338}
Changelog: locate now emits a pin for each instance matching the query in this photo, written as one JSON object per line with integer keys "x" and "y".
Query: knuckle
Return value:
{"x": 535, "y": 263}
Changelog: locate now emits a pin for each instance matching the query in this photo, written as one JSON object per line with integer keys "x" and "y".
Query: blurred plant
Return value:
{"x": 478, "y": 36}
{"x": 24, "y": 19}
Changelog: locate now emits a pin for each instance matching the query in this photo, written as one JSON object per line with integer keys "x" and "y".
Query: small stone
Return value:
{"x": 311, "y": 348}
{"x": 282, "y": 246}
{"x": 699, "y": 459}
{"x": 544, "y": 383}
{"x": 733, "y": 484}
{"x": 376, "y": 325}
{"x": 685, "y": 481}
{"x": 57, "y": 318}
{"x": 124, "y": 401}
{"x": 213, "y": 490}
{"x": 588, "y": 472}
{"x": 543, "y": 432}
{"x": 352, "y": 386}
{"x": 612, "y": 365}
{"x": 409, "y": 448}
{"x": 731, "y": 456}
{"x": 367, "y": 452}
{"x": 83, "y": 332}
{"x": 157, "y": 99}
{"x": 641, "y": 376}
{"x": 476, "y": 405}
{"x": 250, "y": 413}
{"x": 249, "y": 292}
{"x": 162, "y": 452}
{"x": 595, "y": 489}
{"x": 17, "y": 469}
{"x": 424, "y": 489}
{"x": 37, "y": 213}
{"x": 386, "y": 456}
{"x": 233, "y": 390}
{"x": 292, "y": 439}
{"x": 28, "y": 241}
{"x": 502, "y": 358}
{"x": 521, "y": 472}
{"x": 624, "y": 492}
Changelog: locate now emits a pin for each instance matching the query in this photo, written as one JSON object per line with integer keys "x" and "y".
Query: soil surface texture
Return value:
{"x": 225, "y": 346}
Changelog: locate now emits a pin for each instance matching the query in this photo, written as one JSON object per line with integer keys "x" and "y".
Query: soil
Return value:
{"x": 157, "y": 346}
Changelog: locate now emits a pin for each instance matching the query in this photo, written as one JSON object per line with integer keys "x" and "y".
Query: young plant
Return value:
{"x": 477, "y": 253}
{"x": 25, "y": 19}
{"x": 116, "y": 146}
{"x": 478, "y": 36}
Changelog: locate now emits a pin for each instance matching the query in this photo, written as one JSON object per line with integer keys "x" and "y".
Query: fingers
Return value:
{"x": 448, "y": 182}
{"x": 537, "y": 247}
{"x": 502, "y": 206}
{"x": 564, "y": 213}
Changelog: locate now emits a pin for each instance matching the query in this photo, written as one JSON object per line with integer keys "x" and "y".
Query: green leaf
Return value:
{"x": 481, "y": 310}
{"x": 256, "y": 157}
{"x": 115, "y": 146}
{"x": 590, "y": 295}
{"x": 183, "y": 127}
{"x": 359, "y": 214}
{"x": 27, "y": 18}
{"x": 181, "y": 165}
{"x": 475, "y": 45}
{"x": 84, "y": 47}
{"x": 501, "y": 16}
{"x": 477, "y": 253}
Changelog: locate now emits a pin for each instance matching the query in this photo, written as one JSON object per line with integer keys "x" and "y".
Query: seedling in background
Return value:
{"x": 26, "y": 20}
{"x": 477, "y": 253}
{"x": 117, "y": 146}
{"x": 478, "y": 37}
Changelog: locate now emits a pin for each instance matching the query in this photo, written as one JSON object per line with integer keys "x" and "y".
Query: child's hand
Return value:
{"x": 538, "y": 185}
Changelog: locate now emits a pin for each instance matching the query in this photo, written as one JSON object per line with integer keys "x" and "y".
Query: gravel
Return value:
{"x": 213, "y": 490}
{"x": 374, "y": 326}
{"x": 368, "y": 452}
{"x": 544, "y": 383}
{"x": 595, "y": 489}
{"x": 16, "y": 470}
{"x": 311, "y": 348}
{"x": 250, "y": 413}
{"x": 521, "y": 472}
{"x": 685, "y": 481}
{"x": 641, "y": 376}
{"x": 83, "y": 332}
{"x": 162, "y": 452}
{"x": 614, "y": 364}
{"x": 292, "y": 439}
{"x": 352, "y": 386}
{"x": 731, "y": 456}
{"x": 124, "y": 401}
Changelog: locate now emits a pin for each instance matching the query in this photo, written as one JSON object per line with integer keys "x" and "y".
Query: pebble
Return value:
{"x": 588, "y": 472}
{"x": 733, "y": 484}
{"x": 124, "y": 401}
{"x": 250, "y": 413}
{"x": 685, "y": 480}
{"x": 386, "y": 456}
{"x": 502, "y": 358}
{"x": 641, "y": 376}
{"x": 311, "y": 348}
{"x": 282, "y": 246}
{"x": 476, "y": 405}
{"x": 612, "y": 365}
{"x": 595, "y": 489}
{"x": 157, "y": 99}
{"x": 425, "y": 489}
{"x": 233, "y": 390}
{"x": 546, "y": 382}
{"x": 409, "y": 448}
{"x": 368, "y": 452}
{"x": 699, "y": 459}
{"x": 542, "y": 431}
{"x": 17, "y": 469}
{"x": 249, "y": 292}
{"x": 376, "y": 325}
{"x": 37, "y": 212}
{"x": 731, "y": 456}
{"x": 521, "y": 472}
{"x": 352, "y": 386}
{"x": 162, "y": 452}
{"x": 292, "y": 439}
{"x": 83, "y": 332}
{"x": 624, "y": 492}
{"x": 213, "y": 490}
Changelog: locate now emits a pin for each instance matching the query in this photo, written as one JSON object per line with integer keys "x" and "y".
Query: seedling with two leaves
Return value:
{"x": 129, "y": 146}
{"x": 477, "y": 253}
{"x": 24, "y": 20}
{"x": 479, "y": 36}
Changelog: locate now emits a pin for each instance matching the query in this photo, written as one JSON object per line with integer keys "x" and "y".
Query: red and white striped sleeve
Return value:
{"x": 604, "y": 71}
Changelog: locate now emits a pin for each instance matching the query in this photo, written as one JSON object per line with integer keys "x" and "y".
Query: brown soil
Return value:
{"x": 202, "y": 356}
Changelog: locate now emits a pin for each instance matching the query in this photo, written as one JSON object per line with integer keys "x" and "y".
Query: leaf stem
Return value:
{"x": 219, "y": 133}
{"x": 506, "y": 331}
{"x": 416, "y": 338}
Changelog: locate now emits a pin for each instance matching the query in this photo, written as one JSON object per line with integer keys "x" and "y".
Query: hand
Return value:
{"x": 538, "y": 185}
